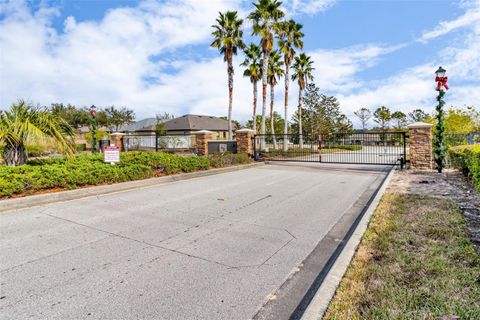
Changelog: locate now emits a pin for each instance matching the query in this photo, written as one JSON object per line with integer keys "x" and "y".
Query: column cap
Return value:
{"x": 203, "y": 132}
{"x": 244, "y": 130}
{"x": 117, "y": 134}
{"x": 416, "y": 125}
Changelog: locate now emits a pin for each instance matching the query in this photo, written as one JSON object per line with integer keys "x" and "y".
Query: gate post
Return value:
{"x": 202, "y": 138}
{"x": 116, "y": 138}
{"x": 244, "y": 139}
{"x": 421, "y": 150}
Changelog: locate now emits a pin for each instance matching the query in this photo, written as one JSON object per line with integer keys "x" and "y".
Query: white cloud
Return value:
{"x": 310, "y": 7}
{"x": 336, "y": 69}
{"x": 470, "y": 18}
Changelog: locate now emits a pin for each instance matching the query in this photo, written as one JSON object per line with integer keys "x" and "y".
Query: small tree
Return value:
{"x": 400, "y": 120}
{"x": 417, "y": 115}
{"x": 363, "y": 115}
{"x": 382, "y": 116}
{"x": 160, "y": 128}
{"x": 118, "y": 117}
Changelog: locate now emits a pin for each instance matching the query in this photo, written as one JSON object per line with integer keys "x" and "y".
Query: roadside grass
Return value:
{"x": 415, "y": 261}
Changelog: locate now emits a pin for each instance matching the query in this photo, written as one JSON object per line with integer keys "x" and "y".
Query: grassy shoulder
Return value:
{"x": 415, "y": 262}
{"x": 89, "y": 169}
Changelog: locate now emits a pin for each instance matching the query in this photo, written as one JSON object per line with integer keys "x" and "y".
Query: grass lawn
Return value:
{"x": 415, "y": 262}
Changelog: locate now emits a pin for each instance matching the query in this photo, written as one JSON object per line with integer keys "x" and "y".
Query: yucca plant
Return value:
{"x": 27, "y": 123}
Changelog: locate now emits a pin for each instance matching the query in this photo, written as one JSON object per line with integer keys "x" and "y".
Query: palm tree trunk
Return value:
{"x": 285, "y": 125}
{"x": 255, "y": 94}
{"x": 266, "y": 56}
{"x": 230, "y": 98}
{"x": 14, "y": 155}
{"x": 300, "y": 107}
{"x": 272, "y": 127}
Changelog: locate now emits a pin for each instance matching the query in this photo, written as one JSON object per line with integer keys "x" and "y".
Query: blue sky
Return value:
{"x": 153, "y": 56}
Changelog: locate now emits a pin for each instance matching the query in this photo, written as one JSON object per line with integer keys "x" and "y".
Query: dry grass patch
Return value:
{"x": 414, "y": 262}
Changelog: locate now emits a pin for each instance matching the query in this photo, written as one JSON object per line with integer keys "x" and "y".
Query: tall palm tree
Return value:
{"x": 275, "y": 71}
{"x": 265, "y": 16}
{"x": 302, "y": 73}
{"x": 254, "y": 72}
{"x": 289, "y": 37}
{"x": 24, "y": 123}
{"x": 228, "y": 39}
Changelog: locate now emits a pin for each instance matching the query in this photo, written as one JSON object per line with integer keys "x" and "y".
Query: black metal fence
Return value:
{"x": 458, "y": 139}
{"x": 151, "y": 141}
{"x": 383, "y": 148}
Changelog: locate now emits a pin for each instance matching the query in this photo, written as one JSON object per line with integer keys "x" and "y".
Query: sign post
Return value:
{"x": 111, "y": 154}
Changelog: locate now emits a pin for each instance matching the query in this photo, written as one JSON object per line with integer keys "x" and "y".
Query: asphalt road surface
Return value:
{"x": 216, "y": 247}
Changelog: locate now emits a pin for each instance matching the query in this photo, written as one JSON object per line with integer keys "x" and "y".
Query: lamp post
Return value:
{"x": 93, "y": 127}
{"x": 438, "y": 146}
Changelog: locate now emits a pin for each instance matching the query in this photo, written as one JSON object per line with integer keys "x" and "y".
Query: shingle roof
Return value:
{"x": 196, "y": 122}
{"x": 145, "y": 124}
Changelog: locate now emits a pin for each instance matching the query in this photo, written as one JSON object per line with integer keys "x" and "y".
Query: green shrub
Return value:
{"x": 89, "y": 169}
{"x": 467, "y": 159}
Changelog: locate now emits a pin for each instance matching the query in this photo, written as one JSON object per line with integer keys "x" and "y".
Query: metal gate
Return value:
{"x": 383, "y": 148}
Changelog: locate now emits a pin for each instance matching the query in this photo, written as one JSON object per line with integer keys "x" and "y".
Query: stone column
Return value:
{"x": 202, "y": 137}
{"x": 116, "y": 138}
{"x": 421, "y": 150}
{"x": 244, "y": 141}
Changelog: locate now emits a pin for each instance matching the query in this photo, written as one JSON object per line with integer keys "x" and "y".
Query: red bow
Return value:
{"x": 441, "y": 81}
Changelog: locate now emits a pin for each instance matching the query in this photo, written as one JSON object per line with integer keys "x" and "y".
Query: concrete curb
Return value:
{"x": 319, "y": 304}
{"x": 46, "y": 198}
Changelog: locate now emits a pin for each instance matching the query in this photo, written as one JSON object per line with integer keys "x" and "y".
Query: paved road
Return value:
{"x": 215, "y": 247}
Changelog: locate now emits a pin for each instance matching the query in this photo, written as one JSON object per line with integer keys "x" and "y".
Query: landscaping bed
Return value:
{"x": 415, "y": 262}
{"x": 40, "y": 175}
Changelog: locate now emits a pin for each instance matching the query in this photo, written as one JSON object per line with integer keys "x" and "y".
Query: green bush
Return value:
{"x": 34, "y": 150}
{"x": 89, "y": 169}
{"x": 467, "y": 159}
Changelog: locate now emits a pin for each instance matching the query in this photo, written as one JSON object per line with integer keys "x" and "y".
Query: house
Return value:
{"x": 184, "y": 126}
{"x": 190, "y": 123}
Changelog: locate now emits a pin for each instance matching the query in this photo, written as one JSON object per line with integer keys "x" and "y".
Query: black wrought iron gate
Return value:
{"x": 383, "y": 148}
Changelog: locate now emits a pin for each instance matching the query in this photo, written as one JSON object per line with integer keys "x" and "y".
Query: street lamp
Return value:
{"x": 93, "y": 128}
{"x": 438, "y": 145}
{"x": 441, "y": 79}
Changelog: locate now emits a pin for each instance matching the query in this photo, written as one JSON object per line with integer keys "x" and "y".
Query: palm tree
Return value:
{"x": 265, "y": 16}
{"x": 254, "y": 72}
{"x": 289, "y": 37}
{"x": 302, "y": 73}
{"x": 228, "y": 38}
{"x": 24, "y": 123}
{"x": 275, "y": 71}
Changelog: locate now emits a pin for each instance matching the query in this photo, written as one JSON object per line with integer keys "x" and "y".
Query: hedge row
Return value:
{"x": 89, "y": 169}
{"x": 467, "y": 160}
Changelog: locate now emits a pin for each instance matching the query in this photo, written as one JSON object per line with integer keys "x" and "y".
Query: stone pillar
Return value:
{"x": 202, "y": 137}
{"x": 421, "y": 150}
{"x": 244, "y": 141}
{"x": 116, "y": 138}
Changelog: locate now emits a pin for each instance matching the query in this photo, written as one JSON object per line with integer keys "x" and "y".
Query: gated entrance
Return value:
{"x": 383, "y": 148}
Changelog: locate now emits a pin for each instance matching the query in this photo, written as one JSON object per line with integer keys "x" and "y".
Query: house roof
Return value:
{"x": 145, "y": 124}
{"x": 194, "y": 122}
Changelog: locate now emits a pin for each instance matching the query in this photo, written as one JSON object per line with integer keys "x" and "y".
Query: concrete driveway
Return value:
{"x": 216, "y": 247}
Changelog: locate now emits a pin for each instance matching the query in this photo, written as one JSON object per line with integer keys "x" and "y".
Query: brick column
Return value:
{"x": 202, "y": 137}
{"x": 116, "y": 138}
{"x": 244, "y": 141}
{"x": 421, "y": 150}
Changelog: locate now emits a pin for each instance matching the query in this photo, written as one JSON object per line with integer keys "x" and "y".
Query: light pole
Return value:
{"x": 438, "y": 146}
{"x": 93, "y": 127}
